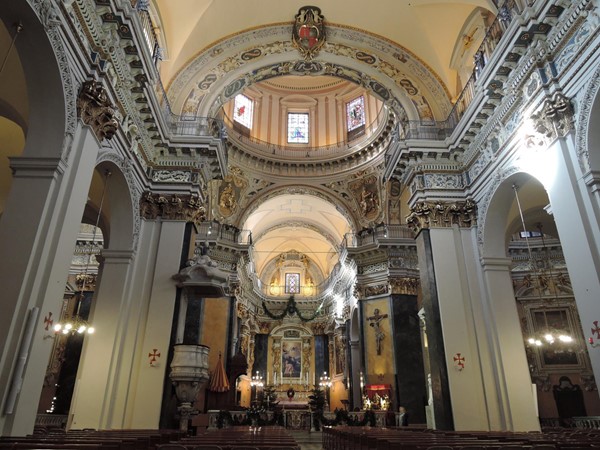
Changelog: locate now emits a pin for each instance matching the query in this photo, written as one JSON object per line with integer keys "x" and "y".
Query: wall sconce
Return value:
{"x": 459, "y": 361}
{"x": 595, "y": 331}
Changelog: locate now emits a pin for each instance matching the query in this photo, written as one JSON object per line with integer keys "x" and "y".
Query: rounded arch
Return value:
{"x": 588, "y": 132}
{"x": 296, "y": 220}
{"x": 49, "y": 87}
{"x": 127, "y": 187}
{"x": 390, "y": 71}
{"x": 502, "y": 217}
{"x": 324, "y": 195}
{"x": 279, "y": 329}
{"x": 116, "y": 220}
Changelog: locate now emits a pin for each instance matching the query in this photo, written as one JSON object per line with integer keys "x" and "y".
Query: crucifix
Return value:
{"x": 375, "y": 320}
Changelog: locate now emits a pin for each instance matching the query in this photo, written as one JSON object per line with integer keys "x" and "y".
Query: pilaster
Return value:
{"x": 38, "y": 230}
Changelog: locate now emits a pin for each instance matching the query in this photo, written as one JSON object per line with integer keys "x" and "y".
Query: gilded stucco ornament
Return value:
{"x": 367, "y": 196}
{"x": 96, "y": 110}
{"x": 229, "y": 194}
{"x": 440, "y": 214}
{"x": 172, "y": 207}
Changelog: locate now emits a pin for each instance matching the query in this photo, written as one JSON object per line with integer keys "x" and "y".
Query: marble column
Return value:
{"x": 472, "y": 325}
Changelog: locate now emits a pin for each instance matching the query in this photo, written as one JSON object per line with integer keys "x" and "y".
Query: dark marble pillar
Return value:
{"x": 321, "y": 357}
{"x": 261, "y": 348}
{"x": 411, "y": 387}
{"x": 435, "y": 340}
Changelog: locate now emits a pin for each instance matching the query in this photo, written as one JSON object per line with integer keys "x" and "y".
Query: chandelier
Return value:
{"x": 548, "y": 334}
{"x": 77, "y": 324}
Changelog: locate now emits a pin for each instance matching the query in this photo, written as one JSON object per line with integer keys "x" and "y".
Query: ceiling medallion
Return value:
{"x": 308, "y": 35}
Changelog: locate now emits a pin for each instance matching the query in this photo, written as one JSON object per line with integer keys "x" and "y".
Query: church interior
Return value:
{"x": 219, "y": 212}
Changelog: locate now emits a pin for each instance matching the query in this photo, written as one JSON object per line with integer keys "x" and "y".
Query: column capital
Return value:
{"x": 96, "y": 110}
{"x": 36, "y": 167}
{"x": 554, "y": 120}
{"x": 405, "y": 285}
{"x": 187, "y": 208}
{"x": 442, "y": 214}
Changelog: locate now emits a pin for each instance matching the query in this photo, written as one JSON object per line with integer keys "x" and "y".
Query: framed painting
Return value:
{"x": 291, "y": 359}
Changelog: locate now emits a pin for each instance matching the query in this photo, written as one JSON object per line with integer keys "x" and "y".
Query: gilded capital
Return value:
{"x": 172, "y": 207}
{"x": 95, "y": 109}
{"x": 440, "y": 214}
{"x": 406, "y": 286}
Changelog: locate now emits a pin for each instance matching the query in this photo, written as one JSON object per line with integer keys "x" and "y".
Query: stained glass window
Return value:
{"x": 297, "y": 128}
{"x": 243, "y": 108}
{"x": 292, "y": 283}
{"x": 355, "y": 113}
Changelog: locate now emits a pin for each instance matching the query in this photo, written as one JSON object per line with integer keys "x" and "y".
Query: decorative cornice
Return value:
{"x": 172, "y": 207}
{"x": 95, "y": 109}
{"x": 440, "y": 214}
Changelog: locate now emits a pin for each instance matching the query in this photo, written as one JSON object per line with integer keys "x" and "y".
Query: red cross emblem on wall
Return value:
{"x": 153, "y": 356}
{"x": 459, "y": 361}
{"x": 596, "y": 330}
{"x": 48, "y": 321}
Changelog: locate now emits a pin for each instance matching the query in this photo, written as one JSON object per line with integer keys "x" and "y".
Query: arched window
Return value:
{"x": 297, "y": 128}
{"x": 243, "y": 110}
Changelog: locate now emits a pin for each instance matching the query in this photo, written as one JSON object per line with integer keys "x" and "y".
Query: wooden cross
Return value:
{"x": 460, "y": 361}
{"x": 153, "y": 356}
{"x": 48, "y": 321}
{"x": 375, "y": 320}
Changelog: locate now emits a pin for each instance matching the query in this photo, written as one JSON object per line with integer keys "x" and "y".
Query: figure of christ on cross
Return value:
{"x": 375, "y": 320}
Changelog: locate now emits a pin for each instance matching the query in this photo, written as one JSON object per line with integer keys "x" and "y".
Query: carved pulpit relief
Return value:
{"x": 375, "y": 320}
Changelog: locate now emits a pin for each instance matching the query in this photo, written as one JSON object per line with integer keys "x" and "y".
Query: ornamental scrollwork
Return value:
{"x": 172, "y": 207}
{"x": 96, "y": 110}
{"x": 441, "y": 214}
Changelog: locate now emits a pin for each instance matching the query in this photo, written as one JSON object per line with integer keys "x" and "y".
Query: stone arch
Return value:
{"x": 50, "y": 92}
{"x": 125, "y": 170}
{"x": 588, "y": 132}
{"x": 501, "y": 215}
{"x": 387, "y": 69}
{"x": 117, "y": 212}
{"x": 342, "y": 208}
